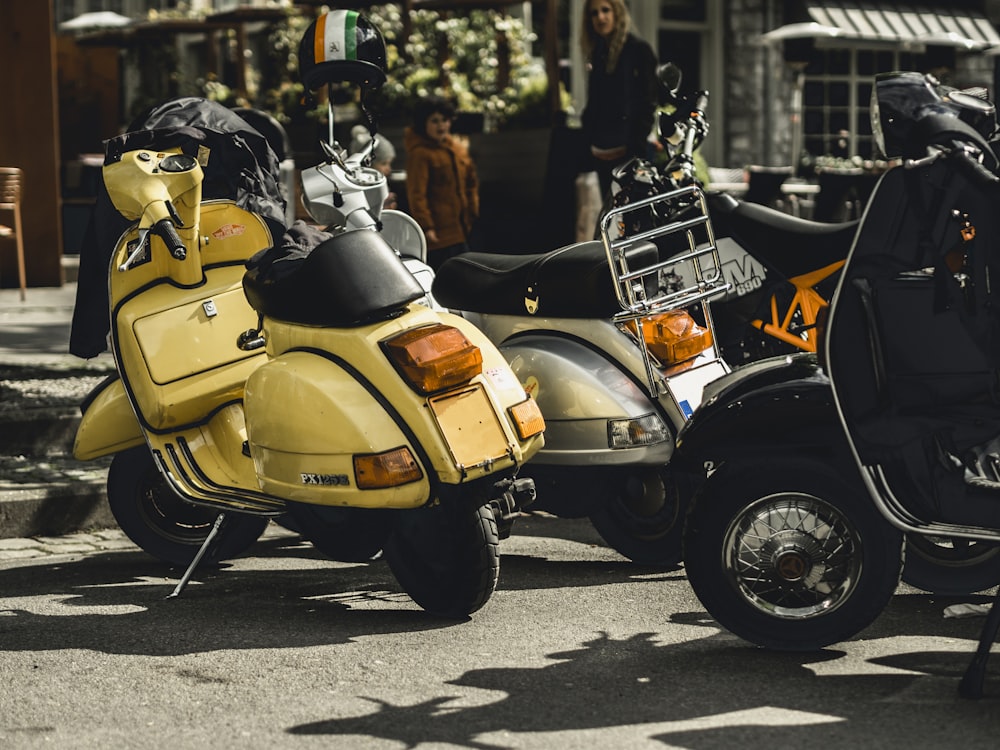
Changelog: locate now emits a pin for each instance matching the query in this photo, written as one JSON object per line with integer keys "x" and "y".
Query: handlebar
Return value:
{"x": 974, "y": 169}
{"x": 166, "y": 231}
{"x": 695, "y": 123}
{"x": 963, "y": 160}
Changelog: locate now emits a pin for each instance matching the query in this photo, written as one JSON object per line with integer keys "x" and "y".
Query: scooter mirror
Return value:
{"x": 669, "y": 75}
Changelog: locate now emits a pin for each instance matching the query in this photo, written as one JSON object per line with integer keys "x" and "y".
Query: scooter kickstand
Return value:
{"x": 213, "y": 532}
{"x": 972, "y": 681}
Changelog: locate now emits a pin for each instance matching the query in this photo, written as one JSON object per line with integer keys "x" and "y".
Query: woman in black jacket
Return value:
{"x": 621, "y": 87}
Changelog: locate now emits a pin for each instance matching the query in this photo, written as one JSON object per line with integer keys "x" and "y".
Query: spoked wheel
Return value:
{"x": 946, "y": 565}
{"x": 169, "y": 528}
{"x": 794, "y": 559}
{"x": 447, "y": 558}
{"x": 345, "y": 534}
{"x": 644, "y": 522}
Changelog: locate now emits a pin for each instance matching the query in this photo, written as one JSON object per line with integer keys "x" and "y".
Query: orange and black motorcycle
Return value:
{"x": 780, "y": 270}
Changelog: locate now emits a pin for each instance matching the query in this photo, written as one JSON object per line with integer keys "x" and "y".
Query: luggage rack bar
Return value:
{"x": 702, "y": 255}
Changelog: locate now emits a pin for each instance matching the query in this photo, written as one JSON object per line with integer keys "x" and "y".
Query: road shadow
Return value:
{"x": 283, "y": 594}
{"x": 710, "y": 693}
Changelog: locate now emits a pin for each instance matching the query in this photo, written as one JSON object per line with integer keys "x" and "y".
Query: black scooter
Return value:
{"x": 811, "y": 469}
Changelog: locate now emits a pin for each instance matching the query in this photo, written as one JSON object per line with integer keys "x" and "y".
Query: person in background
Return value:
{"x": 382, "y": 157}
{"x": 442, "y": 186}
{"x": 621, "y": 87}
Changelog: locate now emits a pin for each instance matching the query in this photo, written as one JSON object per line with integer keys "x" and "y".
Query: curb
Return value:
{"x": 44, "y": 491}
{"x": 54, "y": 509}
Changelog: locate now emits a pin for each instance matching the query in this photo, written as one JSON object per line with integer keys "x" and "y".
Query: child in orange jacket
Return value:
{"x": 442, "y": 185}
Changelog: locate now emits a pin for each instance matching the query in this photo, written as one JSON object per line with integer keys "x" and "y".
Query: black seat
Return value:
{"x": 787, "y": 244}
{"x": 571, "y": 282}
{"x": 350, "y": 279}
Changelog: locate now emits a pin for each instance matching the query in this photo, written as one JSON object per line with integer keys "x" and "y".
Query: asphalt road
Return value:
{"x": 577, "y": 649}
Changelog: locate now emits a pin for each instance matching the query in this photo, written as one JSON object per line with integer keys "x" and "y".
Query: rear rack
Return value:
{"x": 695, "y": 267}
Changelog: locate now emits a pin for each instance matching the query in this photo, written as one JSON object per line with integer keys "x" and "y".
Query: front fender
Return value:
{"x": 108, "y": 424}
{"x": 782, "y": 405}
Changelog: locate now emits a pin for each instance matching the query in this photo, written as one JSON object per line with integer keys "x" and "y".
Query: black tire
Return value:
{"x": 163, "y": 524}
{"x": 645, "y": 522}
{"x": 790, "y": 556}
{"x": 447, "y": 558}
{"x": 345, "y": 534}
{"x": 949, "y": 566}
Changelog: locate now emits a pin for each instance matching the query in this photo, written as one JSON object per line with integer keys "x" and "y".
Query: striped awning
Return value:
{"x": 898, "y": 24}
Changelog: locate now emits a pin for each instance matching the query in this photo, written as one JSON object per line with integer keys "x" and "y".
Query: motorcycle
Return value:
{"x": 780, "y": 269}
{"x": 613, "y": 359}
{"x": 311, "y": 385}
{"x": 812, "y": 469}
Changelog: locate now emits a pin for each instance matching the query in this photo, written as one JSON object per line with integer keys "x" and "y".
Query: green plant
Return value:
{"x": 481, "y": 59}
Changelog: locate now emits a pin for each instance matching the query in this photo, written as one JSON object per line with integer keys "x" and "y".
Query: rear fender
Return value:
{"x": 784, "y": 405}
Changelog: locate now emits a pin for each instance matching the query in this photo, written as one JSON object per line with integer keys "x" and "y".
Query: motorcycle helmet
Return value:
{"x": 342, "y": 46}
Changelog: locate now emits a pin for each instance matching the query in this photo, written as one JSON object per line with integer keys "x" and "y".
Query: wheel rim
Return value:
{"x": 173, "y": 518}
{"x": 792, "y": 556}
{"x": 648, "y": 509}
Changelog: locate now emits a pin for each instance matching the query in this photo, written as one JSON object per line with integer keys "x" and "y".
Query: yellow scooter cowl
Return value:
{"x": 108, "y": 425}
{"x": 306, "y": 419}
{"x": 357, "y": 345}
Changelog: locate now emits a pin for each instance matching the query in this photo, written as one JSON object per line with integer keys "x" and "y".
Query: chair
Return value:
{"x": 765, "y": 185}
{"x": 839, "y": 196}
{"x": 10, "y": 200}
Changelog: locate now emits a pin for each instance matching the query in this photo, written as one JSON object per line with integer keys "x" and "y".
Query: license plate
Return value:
{"x": 687, "y": 386}
{"x": 470, "y": 427}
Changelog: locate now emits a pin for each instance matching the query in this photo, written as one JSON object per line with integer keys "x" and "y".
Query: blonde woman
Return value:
{"x": 621, "y": 87}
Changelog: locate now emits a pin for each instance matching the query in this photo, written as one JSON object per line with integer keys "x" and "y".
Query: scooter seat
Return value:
{"x": 571, "y": 282}
{"x": 788, "y": 244}
{"x": 350, "y": 279}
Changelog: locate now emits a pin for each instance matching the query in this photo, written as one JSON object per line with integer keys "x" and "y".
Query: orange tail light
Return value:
{"x": 435, "y": 357}
{"x": 674, "y": 336}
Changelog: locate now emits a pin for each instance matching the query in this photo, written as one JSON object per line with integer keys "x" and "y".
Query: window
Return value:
{"x": 837, "y": 94}
{"x": 683, "y": 10}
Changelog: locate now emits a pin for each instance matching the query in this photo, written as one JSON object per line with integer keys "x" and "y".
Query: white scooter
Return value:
{"x": 345, "y": 193}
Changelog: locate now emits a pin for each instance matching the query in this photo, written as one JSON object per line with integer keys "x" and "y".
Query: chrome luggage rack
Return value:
{"x": 701, "y": 256}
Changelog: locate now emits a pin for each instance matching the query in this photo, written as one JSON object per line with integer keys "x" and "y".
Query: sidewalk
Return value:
{"x": 43, "y": 491}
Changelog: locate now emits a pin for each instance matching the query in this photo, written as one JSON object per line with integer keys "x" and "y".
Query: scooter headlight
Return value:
{"x": 435, "y": 357}
{"x": 632, "y": 433}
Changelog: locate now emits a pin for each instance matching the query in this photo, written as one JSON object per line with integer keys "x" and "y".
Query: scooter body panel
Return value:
{"x": 108, "y": 425}
{"x": 308, "y": 417}
{"x": 587, "y": 372}
{"x": 178, "y": 352}
{"x": 467, "y": 437}
{"x": 579, "y": 392}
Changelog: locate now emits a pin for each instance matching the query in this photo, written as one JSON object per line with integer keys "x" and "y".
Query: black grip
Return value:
{"x": 974, "y": 169}
{"x": 165, "y": 230}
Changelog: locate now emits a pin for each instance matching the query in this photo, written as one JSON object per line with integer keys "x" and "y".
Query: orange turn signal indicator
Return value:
{"x": 373, "y": 471}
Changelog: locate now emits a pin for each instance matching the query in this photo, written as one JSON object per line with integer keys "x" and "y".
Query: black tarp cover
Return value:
{"x": 242, "y": 167}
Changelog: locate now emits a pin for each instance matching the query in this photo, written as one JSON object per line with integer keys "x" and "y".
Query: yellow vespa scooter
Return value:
{"x": 386, "y": 424}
